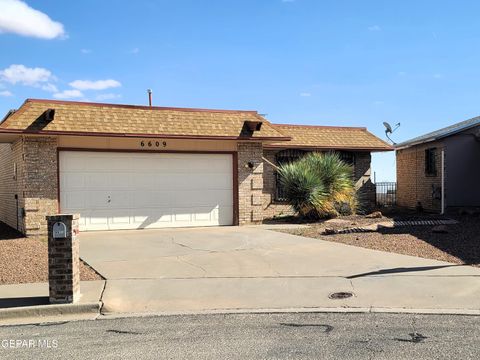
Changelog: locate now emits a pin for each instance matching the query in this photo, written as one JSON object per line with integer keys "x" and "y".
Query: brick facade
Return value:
{"x": 64, "y": 260}
{"x": 35, "y": 184}
{"x": 363, "y": 184}
{"x": 413, "y": 185}
{"x": 250, "y": 182}
{"x": 366, "y": 190}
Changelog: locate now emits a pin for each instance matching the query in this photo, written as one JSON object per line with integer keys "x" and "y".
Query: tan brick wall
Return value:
{"x": 40, "y": 183}
{"x": 362, "y": 174}
{"x": 413, "y": 185}
{"x": 250, "y": 183}
{"x": 363, "y": 182}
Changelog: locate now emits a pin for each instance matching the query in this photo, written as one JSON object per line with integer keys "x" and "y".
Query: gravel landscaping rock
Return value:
{"x": 460, "y": 245}
{"x": 25, "y": 260}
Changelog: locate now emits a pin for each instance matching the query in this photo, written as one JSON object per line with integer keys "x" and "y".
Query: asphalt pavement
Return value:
{"x": 249, "y": 336}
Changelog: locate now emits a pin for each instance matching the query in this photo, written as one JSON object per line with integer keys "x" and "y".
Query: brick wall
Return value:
{"x": 366, "y": 190}
{"x": 40, "y": 183}
{"x": 413, "y": 185}
{"x": 250, "y": 182}
{"x": 64, "y": 260}
{"x": 362, "y": 173}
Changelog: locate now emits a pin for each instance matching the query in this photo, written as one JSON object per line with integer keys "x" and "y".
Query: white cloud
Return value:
{"x": 5, "y": 93}
{"x": 68, "y": 94}
{"x": 108, "y": 96}
{"x": 95, "y": 85}
{"x": 49, "y": 87}
{"x": 86, "y": 51}
{"x": 135, "y": 51}
{"x": 26, "y": 76}
{"x": 305, "y": 94}
{"x": 19, "y": 18}
{"x": 437, "y": 76}
{"x": 374, "y": 28}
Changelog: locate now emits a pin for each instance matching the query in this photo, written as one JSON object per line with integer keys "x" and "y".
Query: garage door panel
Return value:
{"x": 152, "y": 199}
{"x": 149, "y": 190}
{"x": 73, "y": 199}
{"x": 72, "y": 181}
{"x": 120, "y": 180}
{"x": 95, "y": 181}
{"x": 159, "y": 217}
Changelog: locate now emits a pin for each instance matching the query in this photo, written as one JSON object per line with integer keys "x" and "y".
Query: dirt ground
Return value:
{"x": 460, "y": 245}
{"x": 25, "y": 260}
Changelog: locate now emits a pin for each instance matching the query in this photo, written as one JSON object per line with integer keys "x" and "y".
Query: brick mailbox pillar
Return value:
{"x": 63, "y": 258}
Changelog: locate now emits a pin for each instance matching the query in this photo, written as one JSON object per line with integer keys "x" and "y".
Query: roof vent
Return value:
{"x": 49, "y": 115}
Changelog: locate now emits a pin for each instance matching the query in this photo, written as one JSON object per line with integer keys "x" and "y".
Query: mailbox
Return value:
{"x": 59, "y": 230}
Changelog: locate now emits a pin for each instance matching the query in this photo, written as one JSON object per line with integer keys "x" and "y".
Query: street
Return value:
{"x": 250, "y": 336}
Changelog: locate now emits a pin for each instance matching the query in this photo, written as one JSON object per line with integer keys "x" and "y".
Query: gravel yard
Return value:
{"x": 460, "y": 245}
{"x": 24, "y": 260}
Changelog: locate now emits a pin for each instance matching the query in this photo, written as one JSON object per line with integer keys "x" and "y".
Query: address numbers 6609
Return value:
{"x": 153, "y": 143}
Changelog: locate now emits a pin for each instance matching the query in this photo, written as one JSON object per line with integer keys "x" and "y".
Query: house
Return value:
{"x": 439, "y": 171}
{"x": 130, "y": 167}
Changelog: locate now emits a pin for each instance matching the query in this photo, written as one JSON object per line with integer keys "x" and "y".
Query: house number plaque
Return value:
{"x": 153, "y": 144}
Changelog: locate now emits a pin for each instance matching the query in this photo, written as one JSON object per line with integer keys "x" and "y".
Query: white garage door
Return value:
{"x": 114, "y": 190}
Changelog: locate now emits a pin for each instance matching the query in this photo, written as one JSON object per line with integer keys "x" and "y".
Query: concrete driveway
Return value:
{"x": 227, "y": 268}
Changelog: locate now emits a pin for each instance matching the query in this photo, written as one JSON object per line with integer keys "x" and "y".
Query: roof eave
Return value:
{"x": 310, "y": 147}
{"x": 410, "y": 143}
{"x": 140, "y": 135}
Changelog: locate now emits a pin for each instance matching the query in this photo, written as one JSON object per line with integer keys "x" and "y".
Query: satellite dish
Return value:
{"x": 389, "y": 130}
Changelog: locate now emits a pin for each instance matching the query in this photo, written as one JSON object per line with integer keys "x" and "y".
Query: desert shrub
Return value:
{"x": 319, "y": 185}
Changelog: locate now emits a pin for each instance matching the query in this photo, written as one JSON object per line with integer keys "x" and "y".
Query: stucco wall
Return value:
{"x": 10, "y": 185}
{"x": 462, "y": 170}
{"x": 157, "y": 144}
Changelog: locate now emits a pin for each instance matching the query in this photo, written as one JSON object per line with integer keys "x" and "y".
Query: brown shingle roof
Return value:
{"x": 330, "y": 137}
{"x": 129, "y": 120}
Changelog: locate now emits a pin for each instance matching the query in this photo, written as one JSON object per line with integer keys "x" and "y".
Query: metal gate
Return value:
{"x": 386, "y": 193}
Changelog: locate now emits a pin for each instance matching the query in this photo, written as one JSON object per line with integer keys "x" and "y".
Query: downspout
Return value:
{"x": 443, "y": 181}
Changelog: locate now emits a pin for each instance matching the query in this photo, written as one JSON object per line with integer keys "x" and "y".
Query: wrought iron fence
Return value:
{"x": 386, "y": 193}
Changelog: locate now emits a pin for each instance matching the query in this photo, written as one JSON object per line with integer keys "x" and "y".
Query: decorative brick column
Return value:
{"x": 40, "y": 191}
{"x": 63, "y": 259}
{"x": 250, "y": 182}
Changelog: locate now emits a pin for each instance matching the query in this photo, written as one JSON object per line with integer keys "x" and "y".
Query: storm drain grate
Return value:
{"x": 340, "y": 295}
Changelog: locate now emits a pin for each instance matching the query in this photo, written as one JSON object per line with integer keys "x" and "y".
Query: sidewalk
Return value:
{"x": 28, "y": 303}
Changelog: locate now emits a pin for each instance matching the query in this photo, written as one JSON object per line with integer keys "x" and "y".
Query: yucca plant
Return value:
{"x": 319, "y": 185}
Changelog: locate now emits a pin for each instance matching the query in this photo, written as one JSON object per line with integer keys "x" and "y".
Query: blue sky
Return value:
{"x": 346, "y": 63}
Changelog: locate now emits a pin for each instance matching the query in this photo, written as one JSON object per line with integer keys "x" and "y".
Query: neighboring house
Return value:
{"x": 440, "y": 171}
{"x": 130, "y": 167}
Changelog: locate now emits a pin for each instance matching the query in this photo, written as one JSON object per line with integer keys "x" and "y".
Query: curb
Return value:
{"x": 42, "y": 311}
{"x": 327, "y": 310}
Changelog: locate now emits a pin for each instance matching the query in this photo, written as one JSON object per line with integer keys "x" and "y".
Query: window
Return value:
{"x": 285, "y": 157}
{"x": 430, "y": 162}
